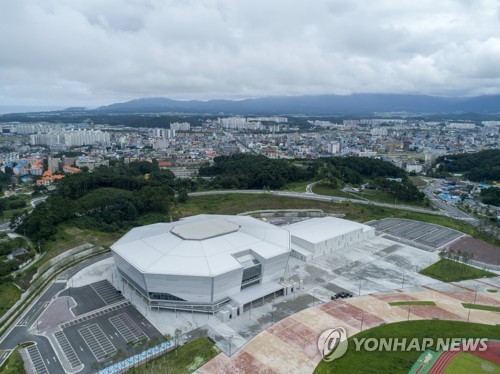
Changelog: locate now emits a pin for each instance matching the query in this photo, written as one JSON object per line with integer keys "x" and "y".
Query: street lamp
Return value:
{"x": 272, "y": 314}
{"x": 475, "y": 297}
{"x": 229, "y": 339}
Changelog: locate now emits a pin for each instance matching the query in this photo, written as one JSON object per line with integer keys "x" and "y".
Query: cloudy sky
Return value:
{"x": 96, "y": 52}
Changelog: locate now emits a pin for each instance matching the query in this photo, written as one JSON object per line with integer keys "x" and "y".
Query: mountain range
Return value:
{"x": 355, "y": 104}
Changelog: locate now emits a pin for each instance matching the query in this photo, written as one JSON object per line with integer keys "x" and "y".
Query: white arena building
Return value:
{"x": 205, "y": 263}
{"x": 221, "y": 264}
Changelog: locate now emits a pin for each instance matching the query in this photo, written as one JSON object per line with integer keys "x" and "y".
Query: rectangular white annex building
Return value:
{"x": 319, "y": 236}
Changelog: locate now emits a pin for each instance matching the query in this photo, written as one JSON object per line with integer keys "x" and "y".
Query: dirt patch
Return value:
{"x": 481, "y": 251}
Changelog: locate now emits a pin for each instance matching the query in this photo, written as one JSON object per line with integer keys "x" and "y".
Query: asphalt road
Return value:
{"x": 454, "y": 212}
{"x": 450, "y": 210}
{"x": 20, "y": 332}
{"x": 34, "y": 202}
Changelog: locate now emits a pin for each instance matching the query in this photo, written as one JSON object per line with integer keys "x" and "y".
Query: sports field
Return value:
{"x": 466, "y": 362}
{"x": 460, "y": 361}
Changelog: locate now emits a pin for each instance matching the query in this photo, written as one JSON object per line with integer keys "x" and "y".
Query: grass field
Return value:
{"x": 68, "y": 237}
{"x": 372, "y": 195}
{"x": 481, "y": 307}
{"x": 238, "y": 203}
{"x": 14, "y": 364}
{"x": 466, "y": 363}
{"x": 418, "y": 182}
{"x": 325, "y": 189}
{"x": 402, "y": 303}
{"x": 7, "y": 214}
{"x": 297, "y": 186}
{"x": 398, "y": 361}
{"x": 450, "y": 271}
{"x": 189, "y": 357}
{"x": 9, "y": 294}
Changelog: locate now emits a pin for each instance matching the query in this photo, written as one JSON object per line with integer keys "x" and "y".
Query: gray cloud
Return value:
{"x": 94, "y": 52}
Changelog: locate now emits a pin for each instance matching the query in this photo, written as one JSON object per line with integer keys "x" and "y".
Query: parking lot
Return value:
{"x": 88, "y": 338}
{"x": 98, "y": 343}
{"x": 127, "y": 328}
{"x": 426, "y": 234}
{"x": 37, "y": 359}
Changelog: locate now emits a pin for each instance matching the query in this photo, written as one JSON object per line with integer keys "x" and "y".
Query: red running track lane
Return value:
{"x": 442, "y": 361}
{"x": 492, "y": 353}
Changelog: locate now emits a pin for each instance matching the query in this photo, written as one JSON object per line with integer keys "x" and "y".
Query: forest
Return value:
{"x": 490, "y": 196}
{"x": 109, "y": 199}
{"x": 243, "y": 171}
{"x": 482, "y": 166}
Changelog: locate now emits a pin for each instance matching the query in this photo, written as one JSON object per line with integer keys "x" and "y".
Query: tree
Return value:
{"x": 168, "y": 337}
{"x": 177, "y": 334}
{"x": 182, "y": 196}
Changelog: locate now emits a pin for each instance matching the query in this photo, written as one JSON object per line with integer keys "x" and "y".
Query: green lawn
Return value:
{"x": 14, "y": 364}
{"x": 397, "y": 361}
{"x": 402, "y": 303}
{"x": 466, "y": 363}
{"x": 297, "y": 186}
{"x": 189, "y": 357}
{"x": 385, "y": 197}
{"x": 325, "y": 189}
{"x": 9, "y": 294}
{"x": 450, "y": 271}
{"x": 7, "y": 214}
{"x": 372, "y": 195}
{"x": 481, "y": 307}
{"x": 238, "y": 203}
{"x": 418, "y": 182}
{"x": 69, "y": 236}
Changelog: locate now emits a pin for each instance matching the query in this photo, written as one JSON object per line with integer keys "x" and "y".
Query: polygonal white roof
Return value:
{"x": 209, "y": 228}
{"x": 201, "y": 245}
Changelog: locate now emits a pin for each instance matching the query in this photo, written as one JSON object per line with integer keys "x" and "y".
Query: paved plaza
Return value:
{"x": 290, "y": 345}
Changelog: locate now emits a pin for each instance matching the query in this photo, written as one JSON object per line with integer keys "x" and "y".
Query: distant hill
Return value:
{"x": 356, "y": 104}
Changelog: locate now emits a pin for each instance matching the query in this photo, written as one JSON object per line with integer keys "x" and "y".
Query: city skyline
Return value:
{"x": 92, "y": 53}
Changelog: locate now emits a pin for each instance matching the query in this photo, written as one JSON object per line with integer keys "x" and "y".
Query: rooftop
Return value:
{"x": 205, "y": 229}
{"x": 316, "y": 230}
{"x": 202, "y": 245}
